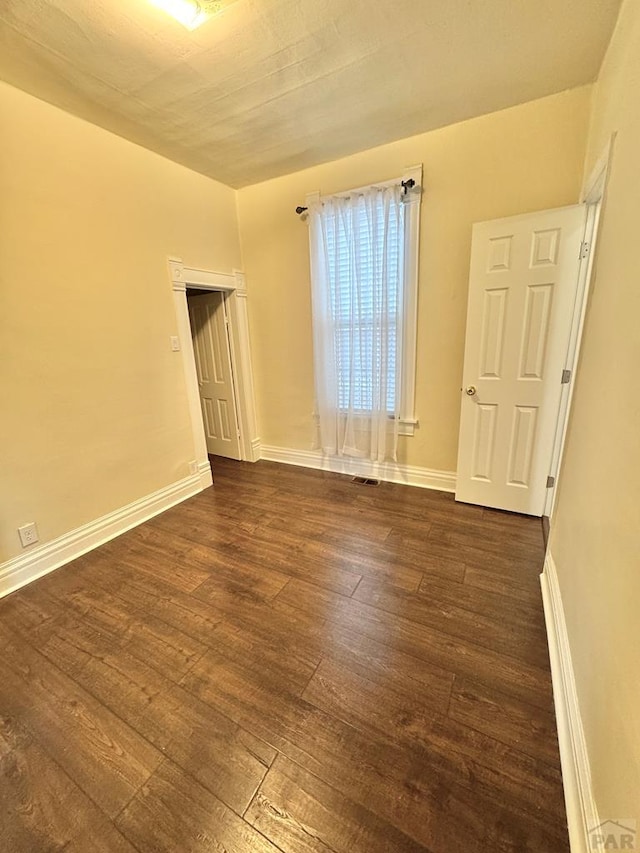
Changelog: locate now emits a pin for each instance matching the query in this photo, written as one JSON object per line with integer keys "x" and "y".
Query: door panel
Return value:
{"x": 522, "y": 287}
{"x": 215, "y": 378}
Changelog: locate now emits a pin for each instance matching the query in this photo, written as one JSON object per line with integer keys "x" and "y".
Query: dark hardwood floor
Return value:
{"x": 286, "y": 662}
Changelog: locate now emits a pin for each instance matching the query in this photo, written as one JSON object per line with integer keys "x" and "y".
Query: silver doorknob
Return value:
{"x": 470, "y": 390}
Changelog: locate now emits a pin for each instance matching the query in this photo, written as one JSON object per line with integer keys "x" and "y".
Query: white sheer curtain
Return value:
{"x": 357, "y": 259}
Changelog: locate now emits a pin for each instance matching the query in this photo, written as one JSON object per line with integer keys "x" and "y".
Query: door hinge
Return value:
{"x": 566, "y": 377}
{"x": 551, "y": 481}
{"x": 584, "y": 250}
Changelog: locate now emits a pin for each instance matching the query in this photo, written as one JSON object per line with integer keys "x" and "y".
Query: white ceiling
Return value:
{"x": 272, "y": 86}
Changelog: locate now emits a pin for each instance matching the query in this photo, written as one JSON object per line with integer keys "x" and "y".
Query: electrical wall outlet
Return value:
{"x": 28, "y": 534}
{"x": 193, "y": 467}
{"x": 175, "y": 343}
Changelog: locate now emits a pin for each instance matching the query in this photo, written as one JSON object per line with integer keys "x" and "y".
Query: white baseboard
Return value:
{"x": 255, "y": 449}
{"x": 582, "y": 813}
{"x": 392, "y": 472}
{"x": 204, "y": 473}
{"x": 45, "y": 558}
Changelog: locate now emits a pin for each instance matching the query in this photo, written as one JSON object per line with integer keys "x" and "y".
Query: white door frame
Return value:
{"x": 235, "y": 290}
{"x": 593, "y": 192}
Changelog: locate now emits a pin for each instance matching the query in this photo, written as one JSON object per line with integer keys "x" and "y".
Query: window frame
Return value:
{"x": 408, "y": 420}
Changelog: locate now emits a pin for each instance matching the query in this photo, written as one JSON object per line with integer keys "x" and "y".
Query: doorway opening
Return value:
{"x": 210, "y": 334}
{"x": 236, "y": 411}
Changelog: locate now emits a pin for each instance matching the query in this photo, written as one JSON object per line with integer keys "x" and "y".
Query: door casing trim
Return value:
{"x": 233, "y": 285}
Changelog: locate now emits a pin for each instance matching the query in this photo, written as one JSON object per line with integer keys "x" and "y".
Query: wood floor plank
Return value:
{"x": 368, "y": 559}
{"x": 503, "y": 563}
{"x": 155, "y": 561}
{"x": 520, "y": 612}
{"x": 126, "y": 685}
{"x": 485, "y": 628}
{"x": 42, "y": 809}
{"x": 209, "y": 523}
{"x": 490, "y": 537}
{"x": 336, "y": 510}
{"x": 502, "y": 582}
{"x": 302, "y": 814}
{"x": 228, "y": 760}
{"x": 30, "y": 615}
{"x": 267, "y": 707}
{"x": 423, "y": 640}
{"x": 405, "y": 716}
{"x": 286, "y": 662}
{"x": 182, "y": 611}
{"x": 307, "y": 560}
{"x": 460, "y": 752}
{"x": 399, "y": 551}
{"x": 368, "y": 767}
{"x": 224, "y": 758}
{"x": 292, "y": 639}
{"x": 496, "y": 770}
{"x": 222, "y": 563}
{"x": 389, "y": 666}
{"x": 424, "y": 557}
{"x": 506, "y": 719}
{"x": 261, "y": 645}
{"x": 136, "y": 592}
{"x": 161, "y": 645}
{"x": 175, "y": 812}
{"x": 405, "y": 788}
{"x": 109, "y": 761}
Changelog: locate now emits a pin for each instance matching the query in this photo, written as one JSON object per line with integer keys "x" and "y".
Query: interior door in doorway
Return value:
{"x": 209, "y": 327}
{"x": 522, "y": 289}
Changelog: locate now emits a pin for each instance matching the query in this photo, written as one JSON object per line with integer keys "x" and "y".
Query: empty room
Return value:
{"x": 320, "y": 458}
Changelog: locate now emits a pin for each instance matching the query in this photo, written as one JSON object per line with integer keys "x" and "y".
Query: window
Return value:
{"x": 359, "y": 333}
{"x": 364, "y": 254}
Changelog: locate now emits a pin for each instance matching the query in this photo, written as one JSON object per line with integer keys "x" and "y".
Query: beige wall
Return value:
{"x": 595, "y": 537}
{"x": 518, "y": 160}
{"x": 94, "y": 410}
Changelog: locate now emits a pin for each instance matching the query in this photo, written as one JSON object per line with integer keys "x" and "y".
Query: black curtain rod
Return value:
{"x": 406, "y": 186}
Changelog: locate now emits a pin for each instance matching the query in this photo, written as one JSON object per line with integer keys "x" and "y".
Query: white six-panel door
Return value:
{"x": 522, "y": 287}
{"x": 215, "y": 378}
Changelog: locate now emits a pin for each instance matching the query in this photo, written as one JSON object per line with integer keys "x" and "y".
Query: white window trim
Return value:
{"x": 408, "y": 420}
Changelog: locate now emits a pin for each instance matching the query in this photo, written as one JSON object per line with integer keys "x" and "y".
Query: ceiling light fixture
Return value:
{"x": 189, "y": 13}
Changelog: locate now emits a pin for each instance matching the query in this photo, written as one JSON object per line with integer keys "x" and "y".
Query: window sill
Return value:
{"x": 407, "y": 426}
